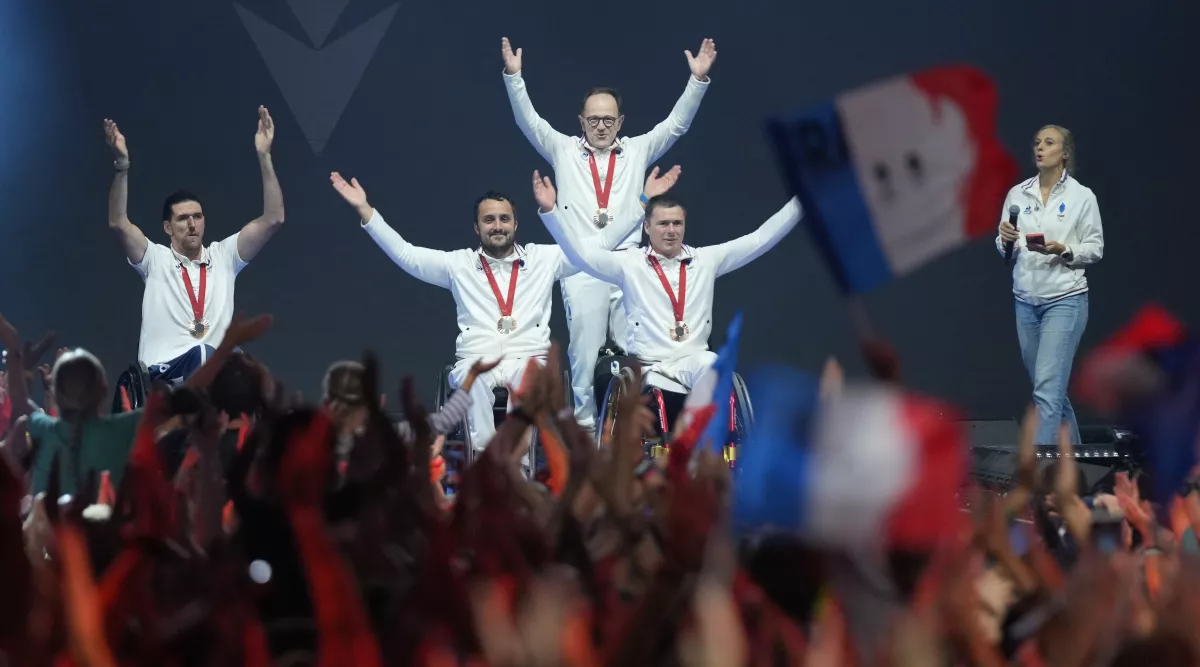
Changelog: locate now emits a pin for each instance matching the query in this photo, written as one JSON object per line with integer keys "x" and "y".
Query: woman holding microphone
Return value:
{"x": 1058, "y": 234}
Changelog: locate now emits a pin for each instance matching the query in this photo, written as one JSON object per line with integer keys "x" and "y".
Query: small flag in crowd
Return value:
{"x": 1149, "y": 374}
{"x": 718, "y": 429}
{"x": 896, "y": 173}
{"x": 871, "y": 465}
{"x": 708, "y": 386}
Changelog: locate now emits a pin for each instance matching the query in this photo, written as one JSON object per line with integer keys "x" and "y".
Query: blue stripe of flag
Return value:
{"x": 813, "y": 155}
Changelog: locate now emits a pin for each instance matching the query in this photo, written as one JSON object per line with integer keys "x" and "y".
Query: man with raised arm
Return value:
{"x": 502, "y": 289}
{"x": 188, "y": 301}
{"x": 597, "y": 174}
{"x": 668, "y": 286}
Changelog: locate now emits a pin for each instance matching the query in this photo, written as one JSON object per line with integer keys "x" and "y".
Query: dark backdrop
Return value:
{"x": 428, "y": 128}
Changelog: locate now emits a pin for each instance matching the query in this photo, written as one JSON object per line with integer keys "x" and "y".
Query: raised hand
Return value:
{"x": 543, "y": 192}
{"x": 353, "y": 193}
{"x": 9, "y": 336}
{"x": 479, "y": 368}
{"x": 512, "y": 61}
{"x": 702, "y": 61}
{"x": 116, "y": 140}
{"x": 266, "y": 132}
{"x": 244, "y": 330}
{"x": 35, "y": 351}
{"x": 657, "y": 185}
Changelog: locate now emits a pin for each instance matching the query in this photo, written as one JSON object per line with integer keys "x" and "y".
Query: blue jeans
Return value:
{"x": 1049, "y": 335}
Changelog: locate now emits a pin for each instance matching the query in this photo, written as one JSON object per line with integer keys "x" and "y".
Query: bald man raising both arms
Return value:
{"x": 599, "y": 174}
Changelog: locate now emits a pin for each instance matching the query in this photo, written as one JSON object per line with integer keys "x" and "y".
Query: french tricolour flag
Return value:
{"x": 872, "y": 465}
{"x": 714, "y": 388}
{"x": 898, "y": 172}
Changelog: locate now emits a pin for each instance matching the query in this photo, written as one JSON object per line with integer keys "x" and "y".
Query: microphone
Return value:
{"x": 1013, "y": 212}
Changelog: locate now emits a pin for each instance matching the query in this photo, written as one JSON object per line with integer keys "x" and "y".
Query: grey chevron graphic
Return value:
{"x": 317, "y": 17}
{"x": 317, "y": 83}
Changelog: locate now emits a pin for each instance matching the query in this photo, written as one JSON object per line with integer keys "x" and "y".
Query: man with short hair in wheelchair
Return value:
{"x": 668, "y": 285}
{"x": 496, "y": 317}
{"x": 187, "y": 304}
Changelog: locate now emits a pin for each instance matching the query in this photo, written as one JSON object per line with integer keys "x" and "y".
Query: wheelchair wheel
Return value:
{"x": 606, "y": 420}
{"x": 135, "y": 380}
{"x": 743, "y": 412}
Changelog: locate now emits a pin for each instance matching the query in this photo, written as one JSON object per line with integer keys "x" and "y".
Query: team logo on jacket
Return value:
{"x": 1028, "y": 210}
{"x": 1062, "y": 210}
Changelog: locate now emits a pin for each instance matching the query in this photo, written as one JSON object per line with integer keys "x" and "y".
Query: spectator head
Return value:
{"x": 80, "y": 384}
{"x": 344, "y": 394}
{"x": 240, "y": 387}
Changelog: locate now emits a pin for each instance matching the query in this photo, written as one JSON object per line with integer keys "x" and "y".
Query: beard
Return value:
{"x": 497, "y": 245}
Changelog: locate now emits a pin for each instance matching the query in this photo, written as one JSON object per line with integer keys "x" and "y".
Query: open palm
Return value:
{"x": 116, "y": 140}
{"x": 512, "y": 60}
{"x": 543, "y": 192}
{"x": 265, "y": 135}
{"x": 703, "y": 60}
{"x": 657, "y": 185}
{"x": 351, "y": 191}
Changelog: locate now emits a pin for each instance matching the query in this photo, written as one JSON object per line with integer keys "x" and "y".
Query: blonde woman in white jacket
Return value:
{"x": 1058, "y": 235}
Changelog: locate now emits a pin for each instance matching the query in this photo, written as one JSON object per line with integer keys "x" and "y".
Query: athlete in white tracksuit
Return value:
{"x": 599, "y": 175}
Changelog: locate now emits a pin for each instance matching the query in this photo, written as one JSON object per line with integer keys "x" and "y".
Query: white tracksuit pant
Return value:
{"x": 480, "y": 421}
{"x": 593, "y": 308}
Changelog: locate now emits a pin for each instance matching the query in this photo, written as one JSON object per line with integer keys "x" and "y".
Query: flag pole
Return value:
{"x": 860, "y": 321}
{"x": 880, "y": 357}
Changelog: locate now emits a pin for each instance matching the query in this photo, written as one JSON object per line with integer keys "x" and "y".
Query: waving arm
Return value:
{"x": 735, "y": 254}
{"x": 664, "y": 135}
{"x": 431, "y": 266}
{"x": 132, "y": 240}
{"x": 534, "y": 127}
{"x": 596, "y": 262}
{"x": 612, "y": 235}
{"x": 258, "y": 231}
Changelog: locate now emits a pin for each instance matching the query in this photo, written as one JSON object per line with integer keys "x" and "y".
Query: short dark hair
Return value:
{"x": 601, "y": 90}
{"x": 662, "y": 201}
{"x": 494, "y": 196}
{"x": 237, "y": 388}
{"x": 657, "y": 202}
{"x": 178, "y": 197}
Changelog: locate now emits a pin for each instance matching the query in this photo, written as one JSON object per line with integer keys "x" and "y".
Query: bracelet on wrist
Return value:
{"x": 644, "y": 198}
{"x": 121, "y": 164}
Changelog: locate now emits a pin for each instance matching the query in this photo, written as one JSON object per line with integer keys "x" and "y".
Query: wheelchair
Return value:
{"x": 615, "y": 378}
{"x": 458, "y": 450}
{"x": 135, "y": 380}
